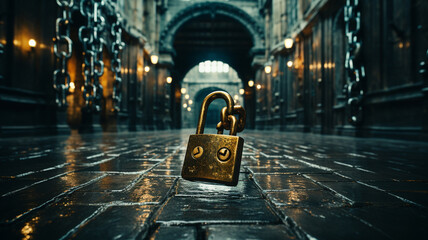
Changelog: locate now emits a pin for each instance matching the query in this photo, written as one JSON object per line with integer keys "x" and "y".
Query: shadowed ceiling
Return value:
{"x": 213, "y": 37}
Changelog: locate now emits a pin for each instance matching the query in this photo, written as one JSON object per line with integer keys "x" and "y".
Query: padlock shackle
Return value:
{"x": 205, "y": 104}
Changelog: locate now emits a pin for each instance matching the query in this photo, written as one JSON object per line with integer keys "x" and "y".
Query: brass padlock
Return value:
{"x": 216, "y": 157}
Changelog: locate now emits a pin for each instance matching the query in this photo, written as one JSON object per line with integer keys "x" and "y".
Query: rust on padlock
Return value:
{"x": 216, "y": 157}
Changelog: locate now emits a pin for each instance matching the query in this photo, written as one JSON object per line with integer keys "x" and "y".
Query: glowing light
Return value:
{"x": 236, "y": 97}
{"x": 32, "y": 43}
{"x": 189, "y": 109}
{"x": 290, "y": 63}
{"x": 225, "y": 68}
{"x": 72, "y": 87}
{"x": 190, "y": 102}
{"x": 288, "y": 43}
{"x": 268, "y": 69}
{"x": 251, "y": 83}
{"x": 259, "y": 86}
{"x": 201, "y": 67}
{"x": 213, "y": 66}
{"x": 169, "y": 80}
{"x": 26, "y": 231}
{"x": 147, "y": 69}
{"x": 183, "y": 90}
{"x": 241, "y": 91}
{"x": 187, "y": 96}
{"x": 185, "y": 105}
{"x": 154, "y": 59}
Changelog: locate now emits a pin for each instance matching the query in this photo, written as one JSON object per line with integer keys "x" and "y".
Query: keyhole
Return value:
{"x": 197, "y": 152}
{"x": 223, "y": 154}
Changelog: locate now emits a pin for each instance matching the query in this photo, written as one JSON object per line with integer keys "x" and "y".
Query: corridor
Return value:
{"x": 98, "y": 99}
{"x": 292, "y": 186}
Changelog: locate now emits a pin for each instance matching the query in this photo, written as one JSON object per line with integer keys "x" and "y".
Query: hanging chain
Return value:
{"x": 92, "y": 41}
{"x": 423, "y": 67}
{"x": 63, "y": 48}
{"x": 354, "y": 62}
{"x": 116, "y": 64}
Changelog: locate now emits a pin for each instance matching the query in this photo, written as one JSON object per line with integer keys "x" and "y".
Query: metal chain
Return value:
{"x": 116, "y": 64}
{"x": 225, "y": 124}
{"x": 423, "y": 67}
{"x": 92, "y": 41}
{"x": 63, "y": 48}
{"x": 354, "y": 62}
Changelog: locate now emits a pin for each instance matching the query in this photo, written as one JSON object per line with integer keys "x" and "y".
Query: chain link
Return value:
{"x": 225, "y": 123}
{"x": 92, "y": 42}
{"x": 354, "y": 62}
{"x": 63, "y": 48}
{"x": 116, "y": 64}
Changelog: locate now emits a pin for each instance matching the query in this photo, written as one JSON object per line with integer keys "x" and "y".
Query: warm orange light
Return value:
{"x": 32, "y": 43}
{"x": 169, "y": 80}
{"x": 140, "y": 69}
{"x": 251, "y": 83}
{"x": 72, "y": 87}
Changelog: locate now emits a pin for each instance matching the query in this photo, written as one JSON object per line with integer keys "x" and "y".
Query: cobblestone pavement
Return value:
{"x": 292, "y": 186}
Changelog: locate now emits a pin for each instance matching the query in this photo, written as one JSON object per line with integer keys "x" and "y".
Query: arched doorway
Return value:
{"x": 201, "y": 80}
{"x": 212, "y": 31}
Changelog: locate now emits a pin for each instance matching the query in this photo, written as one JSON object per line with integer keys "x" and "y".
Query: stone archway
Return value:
{"x": 212, "y": 31}
{"x": 211, "y": 8}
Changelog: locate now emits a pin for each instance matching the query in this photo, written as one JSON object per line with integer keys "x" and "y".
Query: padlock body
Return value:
{"x": 209, "y": 167}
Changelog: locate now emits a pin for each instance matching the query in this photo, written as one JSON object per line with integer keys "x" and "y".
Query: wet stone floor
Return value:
{"x": 292, "y": 186}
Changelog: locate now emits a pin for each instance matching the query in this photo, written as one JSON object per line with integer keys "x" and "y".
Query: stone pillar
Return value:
{"x": 257, "y": 64}
{"x": 162, "y": 93}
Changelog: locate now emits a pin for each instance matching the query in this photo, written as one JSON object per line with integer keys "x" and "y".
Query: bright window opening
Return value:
{"x": 213, "y": 66}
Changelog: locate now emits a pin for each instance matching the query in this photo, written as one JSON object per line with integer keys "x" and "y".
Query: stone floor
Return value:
{"x": 292, "y": 186}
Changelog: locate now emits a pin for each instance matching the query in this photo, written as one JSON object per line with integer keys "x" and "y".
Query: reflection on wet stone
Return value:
{"x": 278, "y": 182}
{"x": 52, "y": 222}
{"x": 216, "y": 210}
{"x": 149, "y": 189}
{"x": 330, "y": 223}
{"x": 128, "y": 185}
{"x": 244, "y": 189}
{"x": 175, "y": 232}
{"x": 306, "y": 198}
{"x": 248, "y": 232}
{"x": 116, "y": 222}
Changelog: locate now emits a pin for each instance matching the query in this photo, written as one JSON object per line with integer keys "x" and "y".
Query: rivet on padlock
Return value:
{"x": 216, "y": 157}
